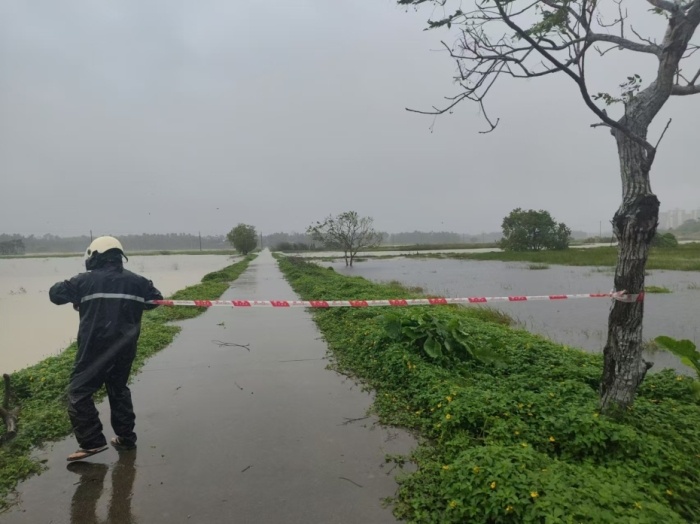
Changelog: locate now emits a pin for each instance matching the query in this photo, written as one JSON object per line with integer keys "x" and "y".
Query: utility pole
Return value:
{"x": 261, "y": 244}
{"x": 200, "y": 241}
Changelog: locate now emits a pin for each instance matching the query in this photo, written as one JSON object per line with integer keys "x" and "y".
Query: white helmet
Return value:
{"x": 103, "y": 244}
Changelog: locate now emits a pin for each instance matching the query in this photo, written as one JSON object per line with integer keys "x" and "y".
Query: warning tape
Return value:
{"x": 620, "y": 296}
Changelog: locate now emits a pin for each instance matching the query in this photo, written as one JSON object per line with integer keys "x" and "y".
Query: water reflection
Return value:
{"x": 90, "y": 487}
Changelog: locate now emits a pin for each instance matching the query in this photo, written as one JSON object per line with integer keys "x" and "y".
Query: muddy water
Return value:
{"x": 578, "y": 323}
{"x": 32, "y": 328}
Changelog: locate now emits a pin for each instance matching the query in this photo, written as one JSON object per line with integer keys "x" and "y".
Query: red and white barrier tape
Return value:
{"x": 620, "y": 296}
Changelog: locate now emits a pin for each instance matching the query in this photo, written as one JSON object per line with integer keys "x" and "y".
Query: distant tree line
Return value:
{"x": 290, "y": 242}
{"x": 145, "y": 242}
{"x": 12, "y": 247}
{"x": 427, "y": 237}
{"x": 303, "y": 242}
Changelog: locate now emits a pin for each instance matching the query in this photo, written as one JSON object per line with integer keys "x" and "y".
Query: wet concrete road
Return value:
{"x": 228, "y": 435}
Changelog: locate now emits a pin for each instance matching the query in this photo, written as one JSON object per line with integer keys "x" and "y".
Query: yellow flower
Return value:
{"x": 637, "y": 505}
{"x": 448, "y": 398}
{"x": 476, "y": 469}
{"x": 448, "y": 416}
{"x": 596, "y": 415}
{"x": 440, "y": 405}
{"x": 552, "y": 439}
{"x": 551, "y": 395}
{"x": 534, "y": 494}
{"x": 517, "y": 433}
{"x": 453, "y": 504}
{"x": 493, "y": 485}
{"x": 509, "y": 509}
{"x": 669, "y": 492}
{"x": 418, "y": 412}
{"x": 520, "y": 406}
{"x": 679, "y": 378}
{"x": 446, "y": 467}
{"x": 523, "y": 444}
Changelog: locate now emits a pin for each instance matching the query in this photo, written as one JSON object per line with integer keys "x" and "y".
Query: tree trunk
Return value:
{"x": 634, "y": 225}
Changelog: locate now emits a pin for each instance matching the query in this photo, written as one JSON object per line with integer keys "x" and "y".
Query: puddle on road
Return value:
{"x": 32, "y": 328}
{"x": 578, "y": 323}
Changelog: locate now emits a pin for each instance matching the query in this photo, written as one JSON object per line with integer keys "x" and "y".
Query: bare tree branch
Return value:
{"x": 647, "y": 40}
{"x": 695, "y": 78}
{"x": 663, "y": 133}
{"x": 576, "y": 78}
{"x": 666, "y": 5}
{"x": 624, "y": 43}
{"x": 685, "y": 90}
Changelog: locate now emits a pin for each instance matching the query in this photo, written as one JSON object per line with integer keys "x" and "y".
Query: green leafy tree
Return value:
{"x": 533, "y": 231}
{"x": 529, "y": 39}
{"x": 664, "y": 240}
{"x": 348, "y": 232}
{"x": 243, "y": 238}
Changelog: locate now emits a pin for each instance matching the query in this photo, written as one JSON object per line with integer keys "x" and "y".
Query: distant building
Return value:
{"x": 674, "y": 218}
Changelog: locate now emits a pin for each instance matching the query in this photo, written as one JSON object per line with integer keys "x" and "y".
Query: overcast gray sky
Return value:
{"x": 174, "y": 116}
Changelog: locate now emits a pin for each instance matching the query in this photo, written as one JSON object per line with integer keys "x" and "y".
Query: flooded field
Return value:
{"x": 402, "y": 252}
{"x": 579, "y": 323}
{"x": 32, "y": 328}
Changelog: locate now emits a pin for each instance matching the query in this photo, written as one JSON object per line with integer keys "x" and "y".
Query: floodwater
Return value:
{"x": 226, "y": 434}
{"x": 577, "y": 323}
{"x": 32, "y": 328}
{"x": 403, "y": 252}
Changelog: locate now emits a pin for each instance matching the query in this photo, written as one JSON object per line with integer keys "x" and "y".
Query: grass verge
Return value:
{"x": 40, "y": 389}
{"x": 656, "y": 289}
{"x": 685, "y": 257}
{"x": 508, "y": 422}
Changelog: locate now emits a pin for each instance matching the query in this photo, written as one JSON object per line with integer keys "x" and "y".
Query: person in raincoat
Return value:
{"x": 111, "y": 301}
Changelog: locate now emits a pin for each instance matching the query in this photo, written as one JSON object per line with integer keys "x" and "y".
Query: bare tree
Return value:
{"x": 348, "y": 232}
{"x": 534, "y": 38}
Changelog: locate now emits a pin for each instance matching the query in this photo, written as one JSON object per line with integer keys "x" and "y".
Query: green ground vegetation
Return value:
{"x": 40, "y": 390}
{"x": 685, "y": 257}
{"x": 656, "y": 289}
{"x": 507, "y": 422}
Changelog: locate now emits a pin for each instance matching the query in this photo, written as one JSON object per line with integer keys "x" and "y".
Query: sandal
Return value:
{"x": 122, "y": 444}
{"x": 85, "y": 453}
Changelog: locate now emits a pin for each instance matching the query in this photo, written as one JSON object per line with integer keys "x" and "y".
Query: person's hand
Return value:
{"x": 76, "y": 307}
